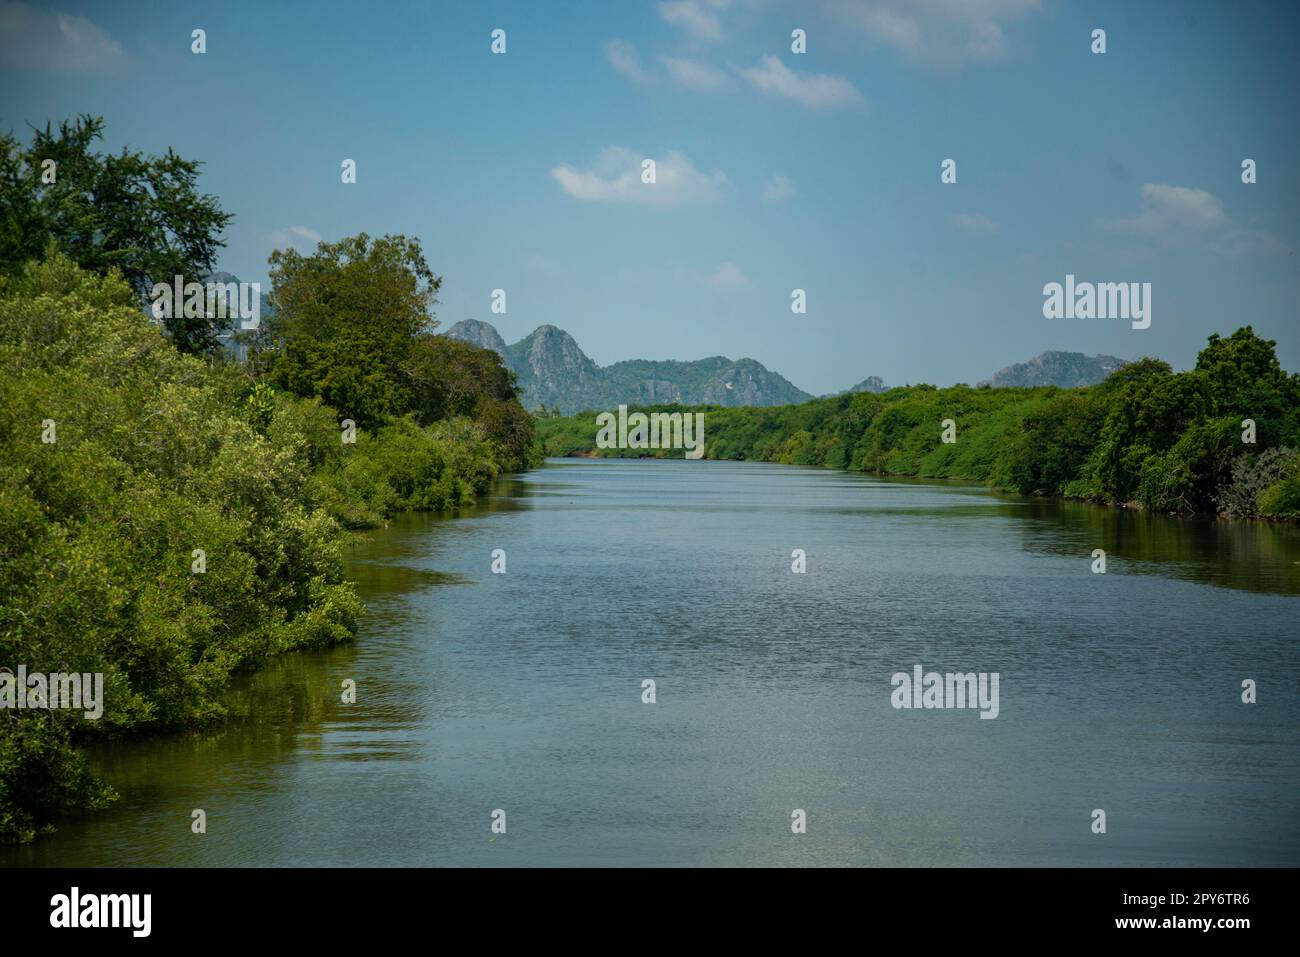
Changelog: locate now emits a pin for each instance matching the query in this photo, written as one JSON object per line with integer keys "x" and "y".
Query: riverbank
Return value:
{"x": 170, "y": 521}
{"x": 1221, "y": 438}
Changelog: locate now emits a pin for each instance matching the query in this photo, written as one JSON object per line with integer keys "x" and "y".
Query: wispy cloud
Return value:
{"x": 694, "y": 75}
{"x": 34, "y": 39}
{"x": 816, "y": 91}
{"x": 778, "y": 188}
{"x": 295, "y": 236}
{"x": 1164, "y": 207}
{"x": 1183, "y": 214}
{"x": 946, "y": 33}
{"x": 727, "y": 276}
{"x": 976, "y": 223}
{"x": 622, "y": 56}
{"x": 696, "y": 17}
{"x": 616, "y": 178}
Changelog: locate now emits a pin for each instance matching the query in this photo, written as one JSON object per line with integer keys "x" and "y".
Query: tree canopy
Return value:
{"x": 143, "y": 215}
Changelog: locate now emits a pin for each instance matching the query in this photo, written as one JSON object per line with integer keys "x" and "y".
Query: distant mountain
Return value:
{"x": 554, "y": 371}
{"x": 481, "y": 334}
{"x": 872, "y": 383}
{"x": 1067, "y": 370}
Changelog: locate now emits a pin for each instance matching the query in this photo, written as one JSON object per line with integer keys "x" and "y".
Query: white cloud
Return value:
{"x": 294, "y": 236}
{"x": 694, "y": 75}
{"x": 976, "y": 223}
{"x": 622, "y": 56}
{"x": 727, "y": 276}
{"x": 616, "y": 178}
{"x": 692, "y": 17}
{"x": 778, "y": 188}
{"x": 1166, "y": 206}
{"x": 32, "y": 39}
{"x": 1183, "y": 214}
{"x": 937, "y": 32}
{"x": 817, "y": 91}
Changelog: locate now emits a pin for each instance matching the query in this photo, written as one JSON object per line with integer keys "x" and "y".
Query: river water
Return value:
{"x": 523, "y": 691}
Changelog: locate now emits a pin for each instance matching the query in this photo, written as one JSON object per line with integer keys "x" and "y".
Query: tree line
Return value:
{"x": 1219, "y": 438}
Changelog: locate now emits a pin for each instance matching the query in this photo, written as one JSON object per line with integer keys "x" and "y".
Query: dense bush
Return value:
{"x": 406, "y": 467}
{"x": 152, "y": 458}
{"x": 1282, "y": 499}
{"x": 156, "y": 454}
{"x": 1252, "y": 477}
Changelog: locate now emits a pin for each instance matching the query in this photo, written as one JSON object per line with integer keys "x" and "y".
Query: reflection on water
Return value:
{"x": 523, "y": 691}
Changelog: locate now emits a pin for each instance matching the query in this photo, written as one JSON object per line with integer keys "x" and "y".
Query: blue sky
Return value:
{"x": 777, "y": 170}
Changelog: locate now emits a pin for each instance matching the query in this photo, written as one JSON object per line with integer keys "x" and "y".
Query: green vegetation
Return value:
{"x": 140, "y": 214}
{"x": 1147, "y": 435}
{"x": 437, "y": 420}
{"x": 167, "y": 518}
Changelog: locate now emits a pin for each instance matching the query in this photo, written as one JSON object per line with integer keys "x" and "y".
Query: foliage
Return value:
{"x": 1282, "y": 499}
{"x": 451, "y": 379}
{"x": 407, "y": 467}
{"x": 152, "y": 458}
{"x": 157, "y": 454}
{"x": 142, "y": 215}
{"x": 345, "y": 318}
{"x": 1254, "y": 476}
{"x": 352, "y": 327}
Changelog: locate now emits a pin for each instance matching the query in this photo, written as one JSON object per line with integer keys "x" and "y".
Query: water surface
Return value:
{"x": 523, "y": 691}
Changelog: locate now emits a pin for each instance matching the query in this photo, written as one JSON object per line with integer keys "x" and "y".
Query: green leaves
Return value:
{"x": 346, "y": 318}
{"x": 1245, "y": 377}
{"x": 157, "y": 454}
{"x": 141, "y": 215}
{"x": 353, "y": 328}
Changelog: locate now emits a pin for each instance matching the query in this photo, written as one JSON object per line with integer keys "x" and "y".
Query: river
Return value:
{"x": 523, "y": 691}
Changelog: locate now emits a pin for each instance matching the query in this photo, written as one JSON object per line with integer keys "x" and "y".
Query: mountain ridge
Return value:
{"x": 553, "y": 371}
{"x": 1066, "y": 370}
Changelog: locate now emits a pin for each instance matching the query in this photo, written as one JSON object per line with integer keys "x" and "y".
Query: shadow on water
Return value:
{"x": 1229, "y": 553}
{"x": 162, "y": 778}
{"x": 275, "y": 717}
{"x": 1255, "y": 556}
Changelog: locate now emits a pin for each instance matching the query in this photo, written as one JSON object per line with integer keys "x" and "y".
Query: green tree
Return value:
{"x": 1246, "y": 380}
{"x": 448, "y": 378}
{"x": 142, "y": 215}
{"x": 1053, "y": 443}
{"x": 345, "y": 321}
